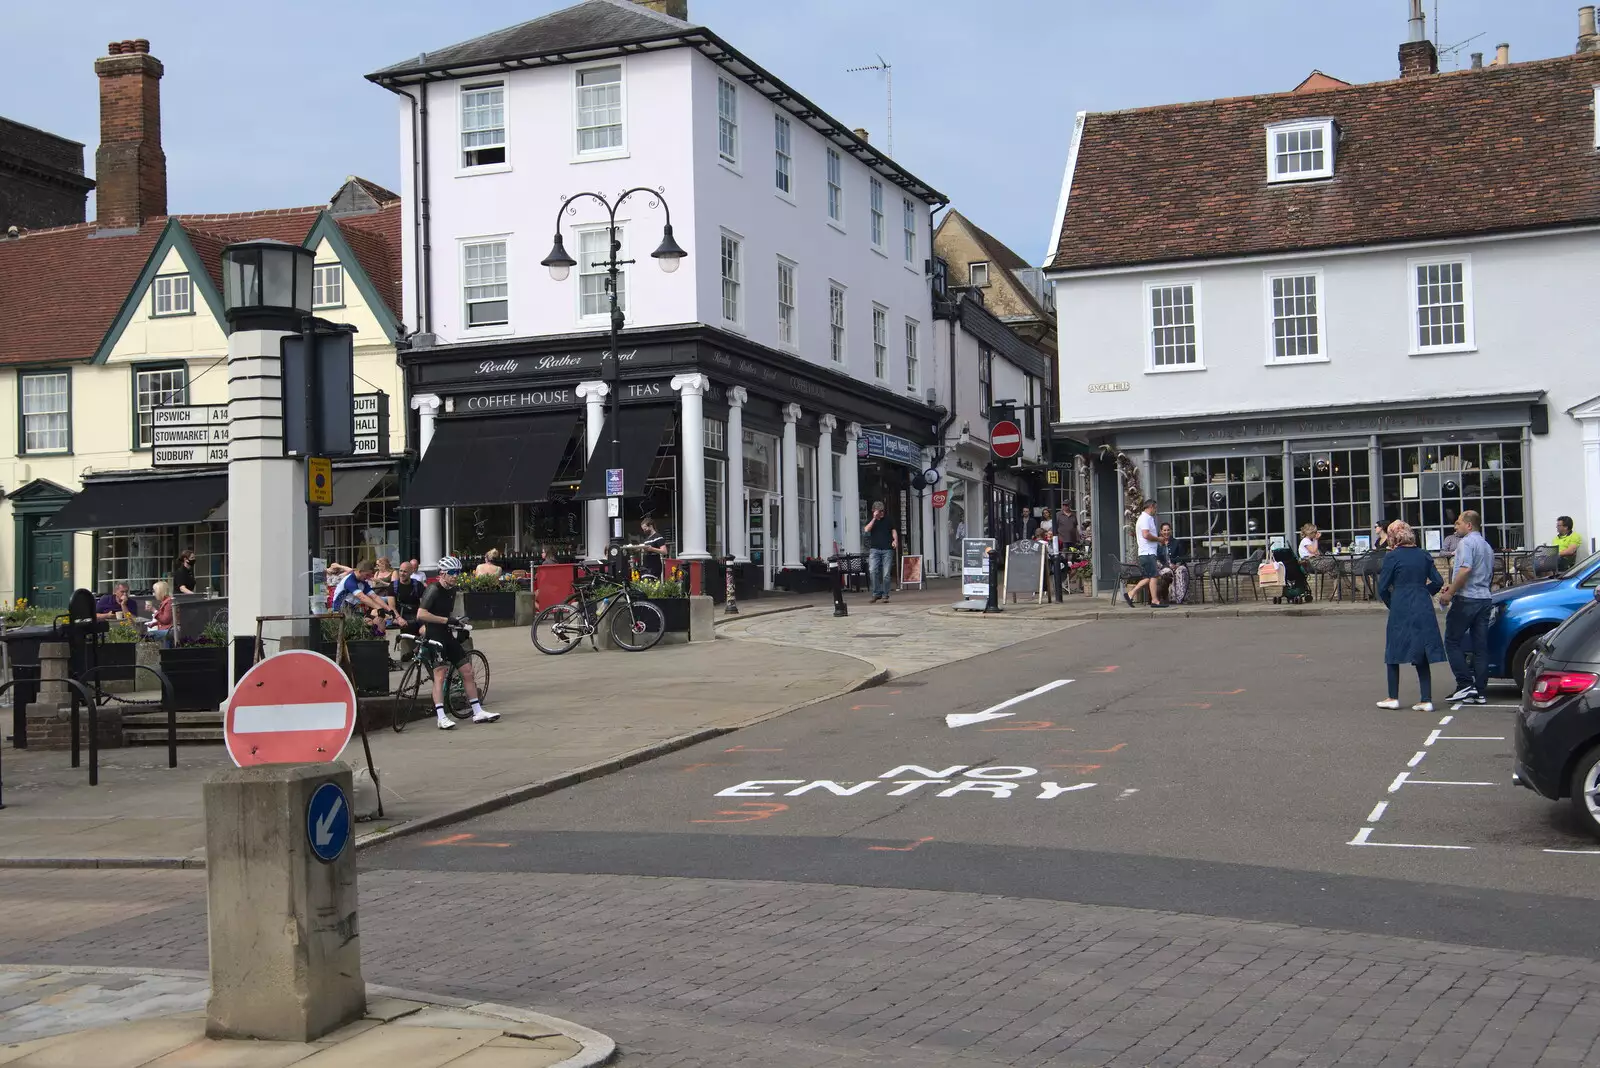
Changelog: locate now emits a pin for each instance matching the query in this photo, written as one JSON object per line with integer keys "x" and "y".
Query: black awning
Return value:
{"x": 350, "y": 488}
{"x": 642, "y": 429}
{"x": 142, "y": 502}
{"x": 507, "y": 460}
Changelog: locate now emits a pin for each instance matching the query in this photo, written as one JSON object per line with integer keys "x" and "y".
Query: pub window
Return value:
{"x": 1430, "y": 485}
{"x": 1231, "y": 504}
{"x": 1333, "y": 489}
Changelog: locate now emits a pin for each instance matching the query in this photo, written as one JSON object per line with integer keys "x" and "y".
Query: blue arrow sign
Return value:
{"x": 328, "y": 822}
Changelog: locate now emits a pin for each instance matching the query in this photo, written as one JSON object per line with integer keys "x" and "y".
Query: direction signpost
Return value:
{"x": 193, "y": 435}
{"x": 1005, "y": 438}
{"x": 293, "y": 708}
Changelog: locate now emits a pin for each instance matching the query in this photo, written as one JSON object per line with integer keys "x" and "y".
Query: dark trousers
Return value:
{"x": 1466, "y": 632}
{"x": 1424, "y": 680}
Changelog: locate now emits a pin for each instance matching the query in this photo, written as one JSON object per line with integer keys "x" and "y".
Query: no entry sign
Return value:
{"x": 293, "y": 708}
{"x": 1005, "y": 438}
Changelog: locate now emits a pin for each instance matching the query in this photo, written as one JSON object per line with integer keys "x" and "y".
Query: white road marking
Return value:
{"x": 1399, "y": 781}
{"x": 962, "y": 719}
{"x": 1444, "y": 782}
{"x": 1414, "y": 761}
{"x": 1362, "y": 836}
{"x": 1577, "y": 852}
{"x": 1446, "y": 721}
{"x": 1433, "y": 737}
{"x": 1470, "y": 738}
{"x": 1129, "y": 792}
{"x": 1377, "y": 813}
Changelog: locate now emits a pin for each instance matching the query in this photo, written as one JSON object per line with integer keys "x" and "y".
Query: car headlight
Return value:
{"x": 1494, "y": 614}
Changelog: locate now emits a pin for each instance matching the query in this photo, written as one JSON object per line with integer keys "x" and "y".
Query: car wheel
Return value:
{"x": 1521, "y": 653}
{"x": 1585, "y": 789}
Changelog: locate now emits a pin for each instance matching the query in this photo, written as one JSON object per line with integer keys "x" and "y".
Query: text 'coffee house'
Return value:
{"x": 780, "y": 457}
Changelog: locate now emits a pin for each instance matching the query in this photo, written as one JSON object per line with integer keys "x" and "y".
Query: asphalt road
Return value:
{"x": 1231, "y": 768}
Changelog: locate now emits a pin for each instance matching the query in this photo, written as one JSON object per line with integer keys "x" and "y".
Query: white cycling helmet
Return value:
{"x": 451, "y": 564}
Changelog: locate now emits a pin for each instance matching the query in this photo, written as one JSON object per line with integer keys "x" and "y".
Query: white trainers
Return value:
{"x": 1389, "y": 702}
{"x": 446, "y": 723}
{"x": 1423, "y": 706}
{"x": 483, "y": 715}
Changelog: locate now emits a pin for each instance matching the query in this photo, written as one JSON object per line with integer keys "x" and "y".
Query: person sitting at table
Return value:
{"x": 117, "y": 604}
{"x": 1380, "y": 535}
{"x": 1309, "y": 539}
{"x": 161, "y": 625}
{"x": 490, "y": 567}
{"x": 1566, "y": 543}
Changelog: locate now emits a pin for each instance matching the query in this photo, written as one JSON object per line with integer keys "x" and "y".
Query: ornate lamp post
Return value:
{"x": 560, "y": 263}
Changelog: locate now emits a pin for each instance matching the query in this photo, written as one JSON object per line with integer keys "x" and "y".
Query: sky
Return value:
{"x": 265, "y": 105}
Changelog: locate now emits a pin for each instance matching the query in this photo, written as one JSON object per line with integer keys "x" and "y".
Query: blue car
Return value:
{"x": 1523, "y": 614}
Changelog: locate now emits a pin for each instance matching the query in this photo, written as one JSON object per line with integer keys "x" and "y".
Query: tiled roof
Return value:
{"x": 1439, "y": 156}
{"x": 583, "y": 25}
{"x": 375, "y": 239}
{"x": 374, "y": 190}
{"x": 1000, "y": 253}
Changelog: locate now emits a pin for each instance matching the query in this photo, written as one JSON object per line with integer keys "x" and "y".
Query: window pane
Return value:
{"x": 483, "y": 120}
{"x": 1295, "y": 319}
{"x": 835, "y": 187}
{"x": 1172, "y": 326}
{"x": 730, "y": 279}
{"x": 44, "y": 410}
{"x": 836, "y": 324}
{"x": 880, "y": 343}
{"x": 327, "y": 286}
{"x": 156, "y": 389}
{"x": 785, "y": 303}
{"x": 1441, "y": 304}
{"x": 593, "y": 251}
{"x": 780, "y": 139}
{"x": 727, "y": 120}
{"x": 483, "y": 277}
{"x": 875, "y": 190}
{"x": 599, "y": 109}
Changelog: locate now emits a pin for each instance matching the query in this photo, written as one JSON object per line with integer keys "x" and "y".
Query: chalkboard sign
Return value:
{"x": 1025, "y": 569}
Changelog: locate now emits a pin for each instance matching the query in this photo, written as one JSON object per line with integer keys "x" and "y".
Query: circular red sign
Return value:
{"x": 1005, "y": 438}
{"x": 293, "y": 708}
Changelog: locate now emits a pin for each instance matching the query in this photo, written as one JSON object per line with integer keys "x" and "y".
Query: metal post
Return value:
{"x": 75, "y": 739}
{"x": 613, "y": 375}
{"x": 94, "y": 741}
{"x": 730, "y": 603}
{"x": 314, "y": 414}
{"x": 836, "y": 577}
{"x": 993, "y": 604}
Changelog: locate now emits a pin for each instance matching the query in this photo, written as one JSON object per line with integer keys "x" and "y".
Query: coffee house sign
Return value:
{"x": 555, "y": 398}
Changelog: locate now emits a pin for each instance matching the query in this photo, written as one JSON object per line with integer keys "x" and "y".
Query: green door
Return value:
{"x": 49, "y": 569}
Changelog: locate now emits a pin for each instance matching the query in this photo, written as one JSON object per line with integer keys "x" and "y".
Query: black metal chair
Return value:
{"x": 1127, "y": 574}
{"x": 1321, "y": 569}
{"x": 1220, "y": 568}
{"x": 1249, "y": 568}
{"x": 1368, "y": 568}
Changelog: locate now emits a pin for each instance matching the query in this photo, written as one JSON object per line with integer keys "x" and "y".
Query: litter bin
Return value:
{"x": 22, "y": 653}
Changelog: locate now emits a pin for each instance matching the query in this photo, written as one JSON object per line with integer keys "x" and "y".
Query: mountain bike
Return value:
{"x": 413, "y": 697}
{"x": 636, "y": 624}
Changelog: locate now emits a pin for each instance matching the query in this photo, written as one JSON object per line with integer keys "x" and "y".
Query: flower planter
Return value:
{"x": 489, "y": 606}
{"x": 199, "y": 676}
{"x": 116, "y": 662}
{"x": 675, "y": 610}
{"x": 369, "y": 667}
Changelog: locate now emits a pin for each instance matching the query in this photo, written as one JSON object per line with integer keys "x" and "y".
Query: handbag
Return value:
{"x": 1270, "y": 573}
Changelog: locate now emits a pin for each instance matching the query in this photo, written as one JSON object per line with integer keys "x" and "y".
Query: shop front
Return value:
{"x": 732, "y": 450}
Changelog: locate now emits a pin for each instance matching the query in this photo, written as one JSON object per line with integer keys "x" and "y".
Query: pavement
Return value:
{"x": 126, "y": 1018}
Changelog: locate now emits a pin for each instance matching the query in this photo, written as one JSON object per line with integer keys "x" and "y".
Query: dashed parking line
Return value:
{"x": 1444, "y": 782}
{"x": 1576, "y": 852}
{"x": 1362, "y": 836}
{"x": 1377, "y": 813}
{"x": 1469, "y": 737}
{"x": 1399, "y": 781}
{"x": 1433, "y": 737}
{"x": 1414, "y": 761}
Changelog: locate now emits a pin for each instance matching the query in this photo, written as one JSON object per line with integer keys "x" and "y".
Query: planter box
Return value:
{"x": 675, "y": 610}
{"x": 116, "y": 662}
{"x": 369, "y": 667}
{"x": 489, "y": 606}
{"x": 199, "y": 676}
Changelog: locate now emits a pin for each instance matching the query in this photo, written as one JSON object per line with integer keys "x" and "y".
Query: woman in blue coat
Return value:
{"x": 1406, "y": 585}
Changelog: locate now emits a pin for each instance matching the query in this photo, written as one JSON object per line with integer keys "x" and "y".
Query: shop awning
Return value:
{"x": 506, "y": 460}
{"x": 350, "y": 488}
{"x": 642, "y": 429}
{"x": 142, "y": 502}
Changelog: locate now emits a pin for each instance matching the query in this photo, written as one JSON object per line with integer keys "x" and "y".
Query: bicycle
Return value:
{"x": 415, "y": 690}
{"x": 636, "y": 625}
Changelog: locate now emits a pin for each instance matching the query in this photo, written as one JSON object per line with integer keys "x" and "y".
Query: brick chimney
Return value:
{"x": 1588, "y": 39}
{"x": 678, "y": 9}
{"x": 1418, "y": 57}
{"x": 130, "y": 168}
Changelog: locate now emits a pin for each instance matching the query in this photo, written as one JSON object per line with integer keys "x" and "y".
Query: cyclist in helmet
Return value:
{"x": 434, "y": 613}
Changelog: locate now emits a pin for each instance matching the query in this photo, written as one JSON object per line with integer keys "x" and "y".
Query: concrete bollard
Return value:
{"x": 702, "y": 620}
{"x": 285, "y": 942}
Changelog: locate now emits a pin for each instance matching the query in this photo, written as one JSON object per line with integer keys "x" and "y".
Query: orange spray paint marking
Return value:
{"x": 858, "y": 708}
{"x": 742, "y": 749}
{"x": 466, "y": 840}
{"x": 711, "y": 764}
{"x": 1081, "y": 769}
{"x": 1203, "y": 704}
{"x": 1031, "y": 725}
{"x": 1108, "y": 669}
{"x": 755, "y": 810}
{"x": 898, "y": 849}
{"x": 1218, "y": 693}
{"x": 1113, "y": 749}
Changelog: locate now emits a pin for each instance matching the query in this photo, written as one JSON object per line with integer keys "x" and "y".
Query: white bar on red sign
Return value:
{"x": 1007, "y": 439}
{"x": 271, "y": 719}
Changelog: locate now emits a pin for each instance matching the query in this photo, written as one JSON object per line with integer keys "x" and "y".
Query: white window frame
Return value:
{"x": 1148, "y": 312}
{"x": 908, "y": 224}
{"x": 467, "y": 326}
{"x": 144, "y": 432}
{"x": 833, "y": 174}
{"x": 783, "y": 156}
{"x": 792, "y": 341}
{"x": 172, "y": 291}
{"x": 974, "y": 271}
{"x": 736, "y": 279}
{"x": 880, "y": 344}
{"x": 838, "y": 322}
{"x": 1597, "y": 116}
{"x": 728, "y": 123}
{"x": 462, "y": 166}
{"x": 319, "y": 272}
{"x": 23, "y": 415}
{"x": 879, "y": 222}
{"x": 1416, "y": 347}
{"x": 603, "y": 316}
{"x": 1329, "y": 137}
{"x": 1267, "y": 278}
{"x": 913, "y": 356}
{"x": 579, "y": 153}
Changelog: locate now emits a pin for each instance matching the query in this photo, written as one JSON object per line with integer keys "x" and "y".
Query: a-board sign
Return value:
{"x": 1025, "y": 569}
{"x": 910, "y": 571}
{"x": 975, "y": 566}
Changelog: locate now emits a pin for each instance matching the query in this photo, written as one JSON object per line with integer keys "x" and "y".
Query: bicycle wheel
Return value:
{"x": 413, "y": 695}
{"x": 558, "y": 628}
{"x": 455, "y": 690}
{"x": 637, "y": 625}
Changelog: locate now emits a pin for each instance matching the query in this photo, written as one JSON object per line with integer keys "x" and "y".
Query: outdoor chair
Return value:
{"x": 1249, "y": 568}
{"x": 1544, "y": 562}
{"x": 1368, "y": 568}
{"x": 1222, "y": 573}
{"x": 1321, "y": 569}
{"x": 1127, "y": 574}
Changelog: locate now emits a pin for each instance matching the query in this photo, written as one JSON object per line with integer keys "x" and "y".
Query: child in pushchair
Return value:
{"x": 1296, "y": 589}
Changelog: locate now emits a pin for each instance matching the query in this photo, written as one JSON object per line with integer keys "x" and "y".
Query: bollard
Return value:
{"x": 730, "y": 603}
{"x": 836, "y": 576}
{"x": 993, "y": 604}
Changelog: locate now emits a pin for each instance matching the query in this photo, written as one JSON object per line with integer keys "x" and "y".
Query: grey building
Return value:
{"x": 41, "y": 178}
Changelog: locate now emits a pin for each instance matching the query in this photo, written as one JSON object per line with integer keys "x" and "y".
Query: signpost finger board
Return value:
{"x": 293, "y": 708}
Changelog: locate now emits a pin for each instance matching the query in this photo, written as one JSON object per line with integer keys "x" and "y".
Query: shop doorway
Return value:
{"x": 764, "y": 514}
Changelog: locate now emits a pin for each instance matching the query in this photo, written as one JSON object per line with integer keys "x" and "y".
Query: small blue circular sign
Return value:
{"x": 328, "y": 822}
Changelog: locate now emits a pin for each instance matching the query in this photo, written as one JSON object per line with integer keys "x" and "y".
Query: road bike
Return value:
{"x": 636, "y": 624}
{"x": 413, "y": 697}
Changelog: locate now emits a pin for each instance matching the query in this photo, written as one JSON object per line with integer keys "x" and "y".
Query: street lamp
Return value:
{"x": 266, "y": 285}
{"x": 560, "y": 263}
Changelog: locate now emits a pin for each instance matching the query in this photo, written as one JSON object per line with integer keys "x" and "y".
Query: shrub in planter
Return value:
{"x": 369, "y": 655}
{"x": 198, "y": 669}
{"x": 117, "y": 655}
{"x": 487, "y": 597}
{"x": 669, "y": 596}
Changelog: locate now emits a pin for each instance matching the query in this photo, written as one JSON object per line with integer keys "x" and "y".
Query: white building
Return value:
{"x": 1341, "y": 304}
{"x": 795, "y": 329}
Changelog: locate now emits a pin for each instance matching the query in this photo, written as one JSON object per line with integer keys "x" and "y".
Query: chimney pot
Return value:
{"x": 678, "y": 9}
{"x": 1477, "y": 61}
{"x": 114, "y": 48}
{"x": 1419, "y": 22}
{"x": 1588, "y": 39}
{"x": 859, "y": 132}
{"x": 1502, "y": 55}
{"x": 140, "y": 44}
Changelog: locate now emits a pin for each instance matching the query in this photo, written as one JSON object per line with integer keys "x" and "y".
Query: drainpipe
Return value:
{"x": 425, "y": 213}
{"x": 422, "y": 316}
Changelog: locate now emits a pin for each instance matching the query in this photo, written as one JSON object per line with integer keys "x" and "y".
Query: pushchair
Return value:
{"x": 1296, "y": 589}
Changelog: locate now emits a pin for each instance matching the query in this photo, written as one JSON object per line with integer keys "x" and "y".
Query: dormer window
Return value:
{"x": 1297, "y": 151}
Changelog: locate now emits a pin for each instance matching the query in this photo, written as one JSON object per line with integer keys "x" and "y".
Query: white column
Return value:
{"x": 595, "y": 531}
{"x": 791, "y": 488}
{"x": 738, "y": 533}
{"x": 850, "y": 477}
{"x": 825, "y": 428}
{"x": 1591, "y": 482}
{"x": 929, "y": 547}
{"x": 430, "y": 521}
{"x": 692, "y": 485}
{"x": 268, "y": 549}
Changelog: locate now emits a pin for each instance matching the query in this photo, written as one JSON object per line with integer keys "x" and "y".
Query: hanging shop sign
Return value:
{"x": 875, "y": 444}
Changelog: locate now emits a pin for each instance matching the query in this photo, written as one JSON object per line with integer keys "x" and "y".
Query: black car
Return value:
{"x": 1558, "y": 727}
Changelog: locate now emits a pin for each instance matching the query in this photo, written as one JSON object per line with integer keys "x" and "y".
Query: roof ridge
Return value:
{"x": 25, "y": 231}
{"x": 263, "y": 213}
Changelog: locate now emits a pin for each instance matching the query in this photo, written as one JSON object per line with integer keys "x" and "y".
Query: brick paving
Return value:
{"x": 703, "y": 972}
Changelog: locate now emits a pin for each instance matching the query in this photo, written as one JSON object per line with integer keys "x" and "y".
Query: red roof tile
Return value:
{"x": 1472, "y": 152}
